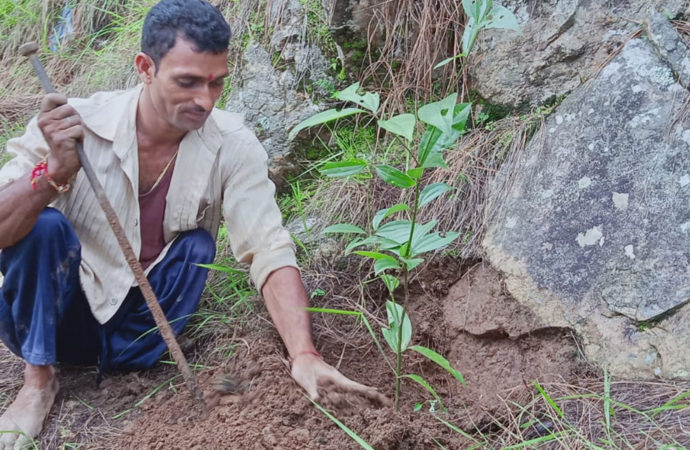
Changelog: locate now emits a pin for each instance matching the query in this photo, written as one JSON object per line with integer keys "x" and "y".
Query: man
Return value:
{"x": 170, "y": 164}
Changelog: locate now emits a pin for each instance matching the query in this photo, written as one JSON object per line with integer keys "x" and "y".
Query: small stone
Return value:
{"x": 299, "y": 435}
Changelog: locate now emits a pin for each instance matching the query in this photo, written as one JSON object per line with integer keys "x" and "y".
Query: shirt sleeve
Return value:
{"x": 252, "y": 217}
{"x": 26, "y": 151}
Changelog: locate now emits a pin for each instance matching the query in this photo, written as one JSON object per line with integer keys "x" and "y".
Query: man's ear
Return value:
{"x": 146, "y": 68}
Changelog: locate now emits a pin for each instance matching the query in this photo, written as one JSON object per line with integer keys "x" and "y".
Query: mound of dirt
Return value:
{"x": 495, "y": 343}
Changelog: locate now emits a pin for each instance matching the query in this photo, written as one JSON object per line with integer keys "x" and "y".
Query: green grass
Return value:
{"x": 577, "y": 417}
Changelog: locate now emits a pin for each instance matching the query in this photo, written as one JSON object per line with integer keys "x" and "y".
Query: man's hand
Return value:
{"x": 321, "y": 380}
{"x": 61, "y": 127}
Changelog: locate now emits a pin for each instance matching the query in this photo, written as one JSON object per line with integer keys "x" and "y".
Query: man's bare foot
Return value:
{"x": 23, "y": 419}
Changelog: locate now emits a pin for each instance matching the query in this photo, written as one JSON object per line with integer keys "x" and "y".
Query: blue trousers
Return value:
{"x": 45, "y": 317}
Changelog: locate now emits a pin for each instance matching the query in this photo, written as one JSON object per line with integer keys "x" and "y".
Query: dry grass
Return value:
{"x": 642, "y": 414}
{"x": 406, "y": 39}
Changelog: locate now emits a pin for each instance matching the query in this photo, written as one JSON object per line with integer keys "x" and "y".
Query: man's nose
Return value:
{"x": 205, "y": 99}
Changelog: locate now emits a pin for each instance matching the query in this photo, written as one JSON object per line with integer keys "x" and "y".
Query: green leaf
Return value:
{"x": 385, "y": 264}
{"x": 395, "y": 177}
{"x": 395, "y": 321}
{"x": 321, "y": 118}
{"x": 412, "y": 263}
{"x": 431, "y": 192}
{"x": 374, "y": 255}
{"x": 415, "y": 173}
{"x": 368, "y": 100}
{"x": 382, "y": 214}
{"x": 390, "y": 281}
{"x": 469, "y": 35}
{"x": 423, "y": 383}
{"x": 402, "y": 125}
{"x": 344, "y": 168}
{"x": 448, "y": 60}
{"x": 344, "y": 228}
{"x": 432, "y": 241}
{"x": 354, "y": 436}
{"x": 440, "y": 360}
{"x": 548, "y": 399}
{"x": 430, "y": 149}
{"x": 397, "y": 231}
{"x": 440, "y": 113}
{"x": 220, "y": 268}
{"x": 502, "y": 18}
{"x": 434, "y": 140}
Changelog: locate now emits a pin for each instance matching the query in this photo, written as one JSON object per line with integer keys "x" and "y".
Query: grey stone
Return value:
{"x": 274, "y": 100}
{"x": 269, "y": 102}
{"x": 592, "y": 223}
{"x": 564, "y": 43}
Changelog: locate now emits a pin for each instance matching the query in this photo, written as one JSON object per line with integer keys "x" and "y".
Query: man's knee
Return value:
{"x": 200, "y": 245}
{"x": 52, "y": 231}
{"x": 50, "y": 226}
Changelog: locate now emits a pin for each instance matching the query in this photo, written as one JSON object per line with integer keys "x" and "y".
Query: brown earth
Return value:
{"x": 488, "y": 336}
{"x": 482, "y": 331}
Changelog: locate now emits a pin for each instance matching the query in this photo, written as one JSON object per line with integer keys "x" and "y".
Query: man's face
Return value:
{"x": 187, "y": 85}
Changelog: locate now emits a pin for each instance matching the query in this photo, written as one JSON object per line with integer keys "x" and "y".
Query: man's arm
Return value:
{"x": 20, "y": 204}
{"x": 286, "y": 301}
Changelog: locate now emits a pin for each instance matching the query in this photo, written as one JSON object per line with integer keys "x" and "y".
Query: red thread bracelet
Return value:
{"x": 40, "y": 170}
{"x": 291, "y": 359}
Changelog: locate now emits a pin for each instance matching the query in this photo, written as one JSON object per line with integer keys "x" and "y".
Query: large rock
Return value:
{"x": 593, "y": 225}
{"x": 274, "y": 99}
{"x": 564, "y": 42}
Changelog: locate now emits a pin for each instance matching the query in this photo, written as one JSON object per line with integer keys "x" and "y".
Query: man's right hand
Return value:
{"x": 61, "y": 127}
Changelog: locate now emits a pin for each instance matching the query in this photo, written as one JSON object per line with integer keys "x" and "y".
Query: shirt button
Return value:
{"x": 136, "y": 222}
{"x": 113, "y": 301}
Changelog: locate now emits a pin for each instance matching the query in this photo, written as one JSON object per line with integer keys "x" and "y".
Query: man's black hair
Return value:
{"x": 195, "y": 20}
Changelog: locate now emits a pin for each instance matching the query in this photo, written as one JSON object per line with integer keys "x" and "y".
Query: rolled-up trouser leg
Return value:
{"x": 40, "y": 290}
{"x": 131, "y": 339}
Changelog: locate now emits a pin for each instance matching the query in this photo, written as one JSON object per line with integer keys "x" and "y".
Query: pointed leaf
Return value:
{"x": 502, "y": 18}
{"x": 354, "y": 436}
{"x": 368, "y": 100}
{"x": 344, "y": 228}
{"x": 440, "y": 113}
{"x": 395, "y": 177}
{"x": 470, "y": 8}
{"x": 321, "y": 118}
{"x": 382, "y": 214}
{"x": 415, "y": 173}
{"x": 412, "y": 263}
{"x": 402, "y": 125}
{"x": 385, "y": 264}
{"x": 344, "y": 168}
{"x": 431, "y": 192}
{"x": 448, "y": 60}
{"x": 396, "y": 320}
{"x": 391, "y": 336}
{"x": 440, "y": 360}
{"x": 434, "y": 140}
{"x": 397, "y": 231}
{"x": 390, "y": 281}
{"x": 433, "y": 241}
{"x": 469, "y": 36}
{"x": 423, "y": 383}
{"x": 222, "y": 269}
{"x": 374, "y": 255}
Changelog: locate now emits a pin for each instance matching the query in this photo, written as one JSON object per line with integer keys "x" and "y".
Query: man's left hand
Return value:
{"x": 321, "y": 380}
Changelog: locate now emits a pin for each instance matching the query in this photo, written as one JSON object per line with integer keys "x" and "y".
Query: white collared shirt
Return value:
{"x": 221, "y": 167}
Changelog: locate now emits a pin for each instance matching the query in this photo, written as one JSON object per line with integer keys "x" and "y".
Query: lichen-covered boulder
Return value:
{"x": 564, "y": 42}
{"x": 592, "y": 223}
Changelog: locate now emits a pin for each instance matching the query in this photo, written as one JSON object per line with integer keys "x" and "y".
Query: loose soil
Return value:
{"x": 497, "y": 345}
